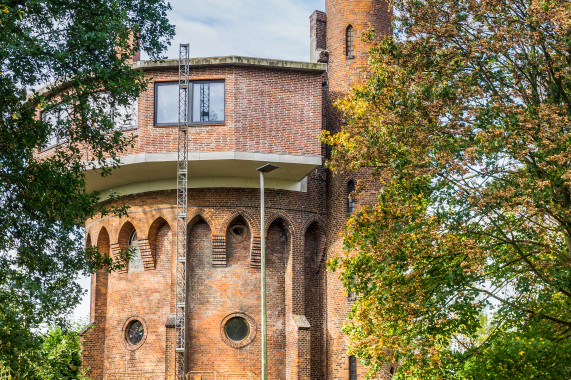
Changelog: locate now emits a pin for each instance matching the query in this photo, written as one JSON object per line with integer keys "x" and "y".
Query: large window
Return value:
{"x": 123, "y": 117}
{"x": 56, "y": 118}
{"x": 206, "y": 102}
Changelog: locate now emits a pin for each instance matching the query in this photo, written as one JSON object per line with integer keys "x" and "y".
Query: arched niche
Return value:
{"x": 314, "y": 289}
{"x": 278, "y": 247}
{"x": 103, "y": 243}
{"x": 238, "y": 242}
{"x": 159, "y": 238}
{"x": 129, "y": 240}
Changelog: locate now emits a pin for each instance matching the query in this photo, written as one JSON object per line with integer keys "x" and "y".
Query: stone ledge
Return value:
{"x": 301, "y": 322}
{"x": 233, "y": 61}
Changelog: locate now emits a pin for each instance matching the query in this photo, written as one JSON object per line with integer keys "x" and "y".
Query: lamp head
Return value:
{"x": 267, "y": 168}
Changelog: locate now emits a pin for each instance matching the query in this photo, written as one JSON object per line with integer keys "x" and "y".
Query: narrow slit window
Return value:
{"x": 349, "y": 41}
{"x": 352, "y": 368}
{"x": 352, "y": 296}
{"x": 136, "y": 262}
{"x": 351, "y": 202}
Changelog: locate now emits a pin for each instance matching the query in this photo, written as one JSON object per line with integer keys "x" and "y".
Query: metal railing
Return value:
{"x": 212, "y": 375}
{"x": 192, "y": 375}
{"x": 139, "y": 376}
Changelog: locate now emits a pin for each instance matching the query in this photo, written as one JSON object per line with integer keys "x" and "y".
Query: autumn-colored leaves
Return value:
{"x": 465, "y": 119}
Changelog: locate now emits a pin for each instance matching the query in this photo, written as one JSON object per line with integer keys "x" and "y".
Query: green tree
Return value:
{"x": 464, "y": 122}
{"x": 60, "y": 356}
{"x": 76, "y": 49}
{"x": 57, "y": 357}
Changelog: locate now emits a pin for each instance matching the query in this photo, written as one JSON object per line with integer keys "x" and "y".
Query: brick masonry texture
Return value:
{"x": 268, "y": 111}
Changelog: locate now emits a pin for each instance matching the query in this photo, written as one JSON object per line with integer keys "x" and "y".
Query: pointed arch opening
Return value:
{"x": 128, "y": 240}
{"x": 103, "y": 244}
{"x": 278, "y": 247}
{"x": 159, "y": 241}
{"x": 238, "y": 241}
{"x": 314, "y": 246}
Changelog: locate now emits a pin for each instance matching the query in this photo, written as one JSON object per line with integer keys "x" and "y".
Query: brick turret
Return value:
{"x": 347, "y": 20}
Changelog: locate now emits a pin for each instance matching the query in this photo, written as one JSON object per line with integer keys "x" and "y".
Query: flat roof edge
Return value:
{"x": 233, "y": 61}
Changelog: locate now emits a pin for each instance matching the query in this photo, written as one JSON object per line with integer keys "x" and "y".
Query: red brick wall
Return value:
{"x": 267, "y": 111}
{"x": 93, "y": 339}
{"x": 142, "y": 295}
{"x": 215, "y": 291}
{"x": 318, "y": 30}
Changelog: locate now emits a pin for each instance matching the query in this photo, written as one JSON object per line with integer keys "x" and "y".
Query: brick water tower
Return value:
{"x": 243, "y": 113}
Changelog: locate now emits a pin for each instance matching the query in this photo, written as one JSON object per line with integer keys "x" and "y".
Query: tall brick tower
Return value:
{"x": 336, "y": 39}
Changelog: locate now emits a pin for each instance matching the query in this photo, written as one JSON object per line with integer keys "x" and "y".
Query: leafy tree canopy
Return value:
{"x": 57, "y": 357}
{"x": 78, "y": 50}
{"x": 463, "y": 265}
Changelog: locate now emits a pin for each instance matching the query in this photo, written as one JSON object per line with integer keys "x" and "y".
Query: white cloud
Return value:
{"x": 258, "y": 28}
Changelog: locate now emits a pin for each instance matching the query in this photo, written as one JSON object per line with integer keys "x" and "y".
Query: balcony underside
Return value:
{"x": 157, "y": 171}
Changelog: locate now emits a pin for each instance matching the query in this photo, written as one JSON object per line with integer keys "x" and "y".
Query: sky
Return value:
{"x": 253, "y": 28}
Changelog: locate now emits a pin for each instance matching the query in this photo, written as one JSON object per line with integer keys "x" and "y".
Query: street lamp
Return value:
{"x": 264, "y": 169}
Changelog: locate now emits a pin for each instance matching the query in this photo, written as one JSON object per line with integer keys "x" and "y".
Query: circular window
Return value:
{"x": 239, "y": 232}
{"x": 237, "y": 329}
{"x": 134, "y": 333}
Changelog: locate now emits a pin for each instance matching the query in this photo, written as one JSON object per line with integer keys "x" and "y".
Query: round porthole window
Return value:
{"x": 134, "y": 332}
{"x": 238, "y": 330}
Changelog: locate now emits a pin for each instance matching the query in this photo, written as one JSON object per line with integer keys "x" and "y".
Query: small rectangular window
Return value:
{"x": 206, "y": 102}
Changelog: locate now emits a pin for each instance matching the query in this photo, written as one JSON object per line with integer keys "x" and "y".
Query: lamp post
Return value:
{"x": 264, "y": 169}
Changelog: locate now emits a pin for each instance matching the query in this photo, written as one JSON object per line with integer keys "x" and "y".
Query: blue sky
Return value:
{"x": 254, "y": 28}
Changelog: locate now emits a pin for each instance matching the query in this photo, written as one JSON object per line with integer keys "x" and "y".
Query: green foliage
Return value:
{"x": 519, "y": 356}
{"x": 76, "y": 49}
{"x": 57, "y": 357}
{"x": 464, "y": 123}
{"x": 60, "y": 356}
